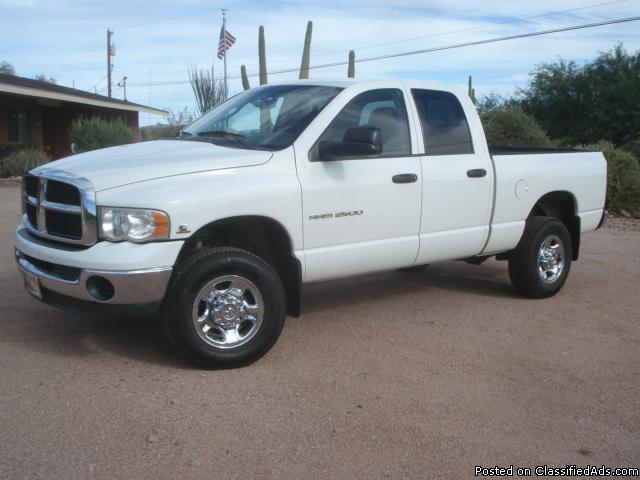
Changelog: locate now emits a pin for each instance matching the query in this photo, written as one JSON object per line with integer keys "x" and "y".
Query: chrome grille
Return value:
{"x": 59, "y": 206}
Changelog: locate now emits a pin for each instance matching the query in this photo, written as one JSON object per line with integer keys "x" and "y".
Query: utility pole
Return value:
{"x": 224, "y": 43}
{"x": 123, "y": 83}
{"x": 110, "y": 53}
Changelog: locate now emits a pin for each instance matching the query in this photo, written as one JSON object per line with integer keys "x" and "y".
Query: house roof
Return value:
{"x": 36, "y": 88}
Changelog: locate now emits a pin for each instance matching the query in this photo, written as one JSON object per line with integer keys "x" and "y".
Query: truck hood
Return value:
{"x": 117, "y": 166}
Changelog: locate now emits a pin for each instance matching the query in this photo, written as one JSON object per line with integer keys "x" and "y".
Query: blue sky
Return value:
{"x": 157, "y": 40}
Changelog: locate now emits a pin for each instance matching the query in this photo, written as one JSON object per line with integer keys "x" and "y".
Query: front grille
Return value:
{"x": 59, "y": 206}
{"x": 67, "y": 225}
{"x": 59, "y": 192}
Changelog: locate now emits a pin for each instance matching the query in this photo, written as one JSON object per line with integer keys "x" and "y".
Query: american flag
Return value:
{"x": 225, "y": 42}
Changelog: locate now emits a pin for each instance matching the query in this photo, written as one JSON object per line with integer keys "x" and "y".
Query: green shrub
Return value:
{"x": 93, "y": 133}
{"x": 22, "y": 161}
{"x": 510, "y": 126}
{"x": 633, "y": 147}
{"x": 623, "y": 178}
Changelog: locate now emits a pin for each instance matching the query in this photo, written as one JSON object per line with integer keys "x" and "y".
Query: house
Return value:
{"x": 40, "y": 113}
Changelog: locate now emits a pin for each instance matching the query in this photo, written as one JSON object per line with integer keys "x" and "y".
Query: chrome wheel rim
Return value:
{"x": 228, "y": 311}
{"x": 551, "y": 259}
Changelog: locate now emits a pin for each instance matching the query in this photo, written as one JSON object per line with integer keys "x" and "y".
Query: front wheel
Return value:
{"x": 540, "y": 264}
{"x": 225, "y": 307}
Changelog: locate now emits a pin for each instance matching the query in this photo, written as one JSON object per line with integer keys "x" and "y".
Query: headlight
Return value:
{"x": 133, "y": 224}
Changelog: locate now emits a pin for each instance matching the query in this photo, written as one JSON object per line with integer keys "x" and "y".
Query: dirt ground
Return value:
{"x": 393, "y": 375}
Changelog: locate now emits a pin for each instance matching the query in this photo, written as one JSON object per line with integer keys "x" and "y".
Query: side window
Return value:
{"x": 383, "y": 109}
{"x": 444, "y": 125}
{"x": 18, "y": 126}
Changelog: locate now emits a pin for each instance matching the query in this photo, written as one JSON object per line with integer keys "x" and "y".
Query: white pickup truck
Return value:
{"x": 295, "y": 183}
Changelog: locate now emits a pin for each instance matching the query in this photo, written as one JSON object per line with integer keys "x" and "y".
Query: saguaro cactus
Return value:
{"x": 306, "y": 52}
{"x": 351, "y": 70}
{"x": 472, "y": 91}
{"x": 245, "y": 79}
{"x": 262, "y": 56}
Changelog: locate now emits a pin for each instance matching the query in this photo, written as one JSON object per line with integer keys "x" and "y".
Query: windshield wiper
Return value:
{"x": 236, "y": 137}
{"x": 221, "y": 133}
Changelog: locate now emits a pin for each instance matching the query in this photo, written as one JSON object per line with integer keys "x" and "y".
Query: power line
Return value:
{"x": 97, "y": 83}
{"x": 461, "y": 30}
{"x": 416, "y": 52}
{"x": 434, "y": 35}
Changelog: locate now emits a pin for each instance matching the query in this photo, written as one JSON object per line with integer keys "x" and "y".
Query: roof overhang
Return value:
{"x": 68, "y": 97}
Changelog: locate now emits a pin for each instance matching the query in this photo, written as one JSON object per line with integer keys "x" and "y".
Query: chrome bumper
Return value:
{"x": 129, "y": 287}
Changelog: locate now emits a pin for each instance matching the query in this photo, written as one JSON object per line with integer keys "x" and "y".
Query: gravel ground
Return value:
{"x": 392, "y": 375}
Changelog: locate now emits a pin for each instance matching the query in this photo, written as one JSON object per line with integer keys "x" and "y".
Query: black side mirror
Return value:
{"x": 357, "y": 142}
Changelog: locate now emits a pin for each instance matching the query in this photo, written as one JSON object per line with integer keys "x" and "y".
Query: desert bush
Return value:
{"x": 623, "y": 178}
{"x": 176, "y": 121}
{"x": 510, "y": 126}
{"x": 93, "y": 133}
{"x": 22, "y": 161}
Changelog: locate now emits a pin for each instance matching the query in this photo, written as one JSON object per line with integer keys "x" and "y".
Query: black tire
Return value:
{"x": 523, "y": 261}
{"x": 191, "y": 276}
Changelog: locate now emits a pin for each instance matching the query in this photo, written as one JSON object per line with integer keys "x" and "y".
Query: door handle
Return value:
{"x": 405, "y": 178}
{"x": 476, "y": 173}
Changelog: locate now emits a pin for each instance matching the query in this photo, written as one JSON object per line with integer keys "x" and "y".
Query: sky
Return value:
{"x": 156, "y": 41}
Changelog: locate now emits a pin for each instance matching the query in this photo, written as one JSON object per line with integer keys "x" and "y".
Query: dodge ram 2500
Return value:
{"x": 288, "y": 184}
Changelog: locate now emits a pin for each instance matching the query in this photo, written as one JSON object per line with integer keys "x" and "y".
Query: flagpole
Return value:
{"x": 224, "y": 43}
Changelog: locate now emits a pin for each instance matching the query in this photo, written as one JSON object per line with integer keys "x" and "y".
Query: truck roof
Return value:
{"x": 344, "y": 83}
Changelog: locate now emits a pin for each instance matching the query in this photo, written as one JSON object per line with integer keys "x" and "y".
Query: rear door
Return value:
{"x": 358, "y": 214}
{"x": 457, "y": 177}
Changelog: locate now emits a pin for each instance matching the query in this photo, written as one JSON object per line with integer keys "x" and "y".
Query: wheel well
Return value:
{"x": 563, "y": 206}
{"x": 261, "y": 236}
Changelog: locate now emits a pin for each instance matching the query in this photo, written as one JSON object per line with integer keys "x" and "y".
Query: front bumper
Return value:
{"x": 106, "y": 273}
{"x": 113, "y": 287}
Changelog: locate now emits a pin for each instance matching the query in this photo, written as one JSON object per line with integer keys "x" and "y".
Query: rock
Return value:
{"x": 625, "y": 214}
{"x": 195, "y": 463}
{"x": 152, "y": 438}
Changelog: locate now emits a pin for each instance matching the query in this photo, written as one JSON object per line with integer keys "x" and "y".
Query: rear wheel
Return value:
{"x": 225, "y": 308}
{"x": 540, "y": 264}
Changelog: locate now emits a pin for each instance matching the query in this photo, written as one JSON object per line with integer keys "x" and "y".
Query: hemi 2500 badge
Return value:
{"x": 325, "y": 216}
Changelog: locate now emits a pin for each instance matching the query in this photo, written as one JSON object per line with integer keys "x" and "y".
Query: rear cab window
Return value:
{"x": 444, "y": 125}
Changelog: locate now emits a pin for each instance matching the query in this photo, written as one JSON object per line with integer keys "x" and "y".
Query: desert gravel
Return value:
{"x": 391, "y": 375}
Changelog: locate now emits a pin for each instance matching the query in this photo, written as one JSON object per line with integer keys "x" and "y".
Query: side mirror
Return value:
{"x": 357, "y": 142}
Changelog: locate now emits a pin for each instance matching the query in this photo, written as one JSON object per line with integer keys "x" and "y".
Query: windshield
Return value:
{"x": 268, "y": 118}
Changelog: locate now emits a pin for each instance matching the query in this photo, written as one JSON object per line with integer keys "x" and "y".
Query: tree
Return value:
{"x": 510, "y": 126}
{"x": 43, "y": 78}
{"x": 7, "y": 68}
{"x": 580, "y": 104}
{"x": 208, "y": 91}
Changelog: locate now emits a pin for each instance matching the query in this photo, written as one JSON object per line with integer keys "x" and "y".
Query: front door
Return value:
{"x": 362, "y": 214}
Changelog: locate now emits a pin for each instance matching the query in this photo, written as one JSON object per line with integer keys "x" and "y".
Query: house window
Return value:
{"x": 18, "y": 126}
